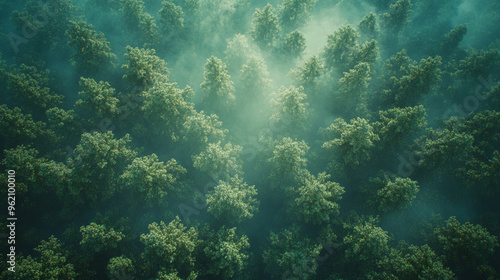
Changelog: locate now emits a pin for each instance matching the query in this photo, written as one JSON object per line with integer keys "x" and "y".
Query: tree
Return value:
{"x": 35, "y": 20}
{"x": 416, "y": 81}
{"x": 202, "y": 129}
{"x": 398, "y": 15}
{"x": 309, "y": 74}
{"x": 164, "y": 110}
{"x": 99, "y": 160}
{"x": 66, "y": 123}
{"x": 352, "y": 88}
{"x": 396, "y": 124}
{"x": 482, "y": 163}
{"x": 171, "y": 19}
{"x": 350, "y": 142}
{"x": 51, "y": 264}
{"x": 478, "y": 64}
{"x": 393, "y": 194}
{"x": 443, "y": 148}
{"x": 291, "y": 255}
{"x": 164, "y": 275}
{"x": 366, "y": 241}
{"x": 368, "y": 26}
{"x": 451, "y": 40}
{"x": 221, "y": 162}
{"x": 140, "y": 22}
{"x": 93, "y": 52}
{"x": 366, "y": 53}
{"x": 143, "y": 67}
{"x": 294, "y": 13}
{"x": 171, "y": 245}
{"x": 225, "y": 250}
{"x": 287, "y": 162}
{"x": 293, "y": 45}
{"x": 239, "y": 50}
{"x": 98, "y": 99}
{"x": 30, "y": 87}
{"x": 16, "y": 127}
{"x": 317, "y": 199}
{"x": 339, "y": 47}
{"x": 217, "y": 85}
{"x": 120, "y": 266}
{"x": 412, "y": 263}
{"x": 255, "y": 80}
{"x": 232, "y": 201}
{"x": 465, "y": 245}
{"x": 151, "y": 178}
{"x": 33, "y": 170}
{"x": 290, "y": 110}
{"x": 265, "y": 27}
{"x": 98, "y": 238}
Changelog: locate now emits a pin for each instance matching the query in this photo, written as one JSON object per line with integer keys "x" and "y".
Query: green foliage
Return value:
{"x": 239, "y": 50}
{"x": 478, "y": 64}
{"x": 393, "y": 195}
{"x": 291, "y": 112}
{"x": 415, "y": 81}
{"x": 151, "y": 178}
{"x": 265, "y": 27}
{"x": 143, "y": 67}
{"x": 366, "y": 241}
{"x": 98, "y": 238}
{"x": 30, "y": 87}
{"x": 64, "y": 122}
{"x": 338, "y": 49}
{"x": 350, "y": 142}
{"x": 287, "y": 162}
{"x": 225, "y": 250}
{"x": 202, "y": 128}
{"x": 98, "y": 99}
{"x": 442, "y": 148}
{"x": 352, "y": 90}
{"x": 368, "y": 26}
{"x": 465, "y": 244}
{"x": 255, "y": 80}
{"x": 93, "y": 52}
{"x": 51, "y": 265}
{"x": 119, "y": 266}
{"x": 140, "y": 22}
{"x": 294, "y": 45}
{"x": 291, "y": 255}
{"x": 16, "y": 126}
{"x": 221, "y": 162}
{"x": 48, "y": 21}
{"x": 317, "y": 199}
{"x": 294, "y": 13}
{"x": 99, "y": 160}
{"x": 217, "y": 84}
{"x": 398, "y": 123}
{"x": 171, "y": 18}
{"x": 164, "y": 109}
{"x": 232, "y": 201}
{"x": 40, "y": 174}
{"x": 412, "y": 263}
{"x": 366, "y": 53}
{"x": 398, "y": 15}
{"x": 171, "y": 244}
{"x": 309, "y": 74}
{"x": 163, "y": 275}
{"x": 453, "y": 38}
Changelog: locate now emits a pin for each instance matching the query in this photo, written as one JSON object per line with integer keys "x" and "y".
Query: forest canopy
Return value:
{"x": 249, "y": 139}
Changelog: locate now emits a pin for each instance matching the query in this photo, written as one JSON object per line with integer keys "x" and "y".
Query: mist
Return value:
{"x": 249, "y": 139}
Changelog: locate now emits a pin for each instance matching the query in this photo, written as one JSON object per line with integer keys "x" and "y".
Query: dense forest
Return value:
{"x": 249, "y": 139}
